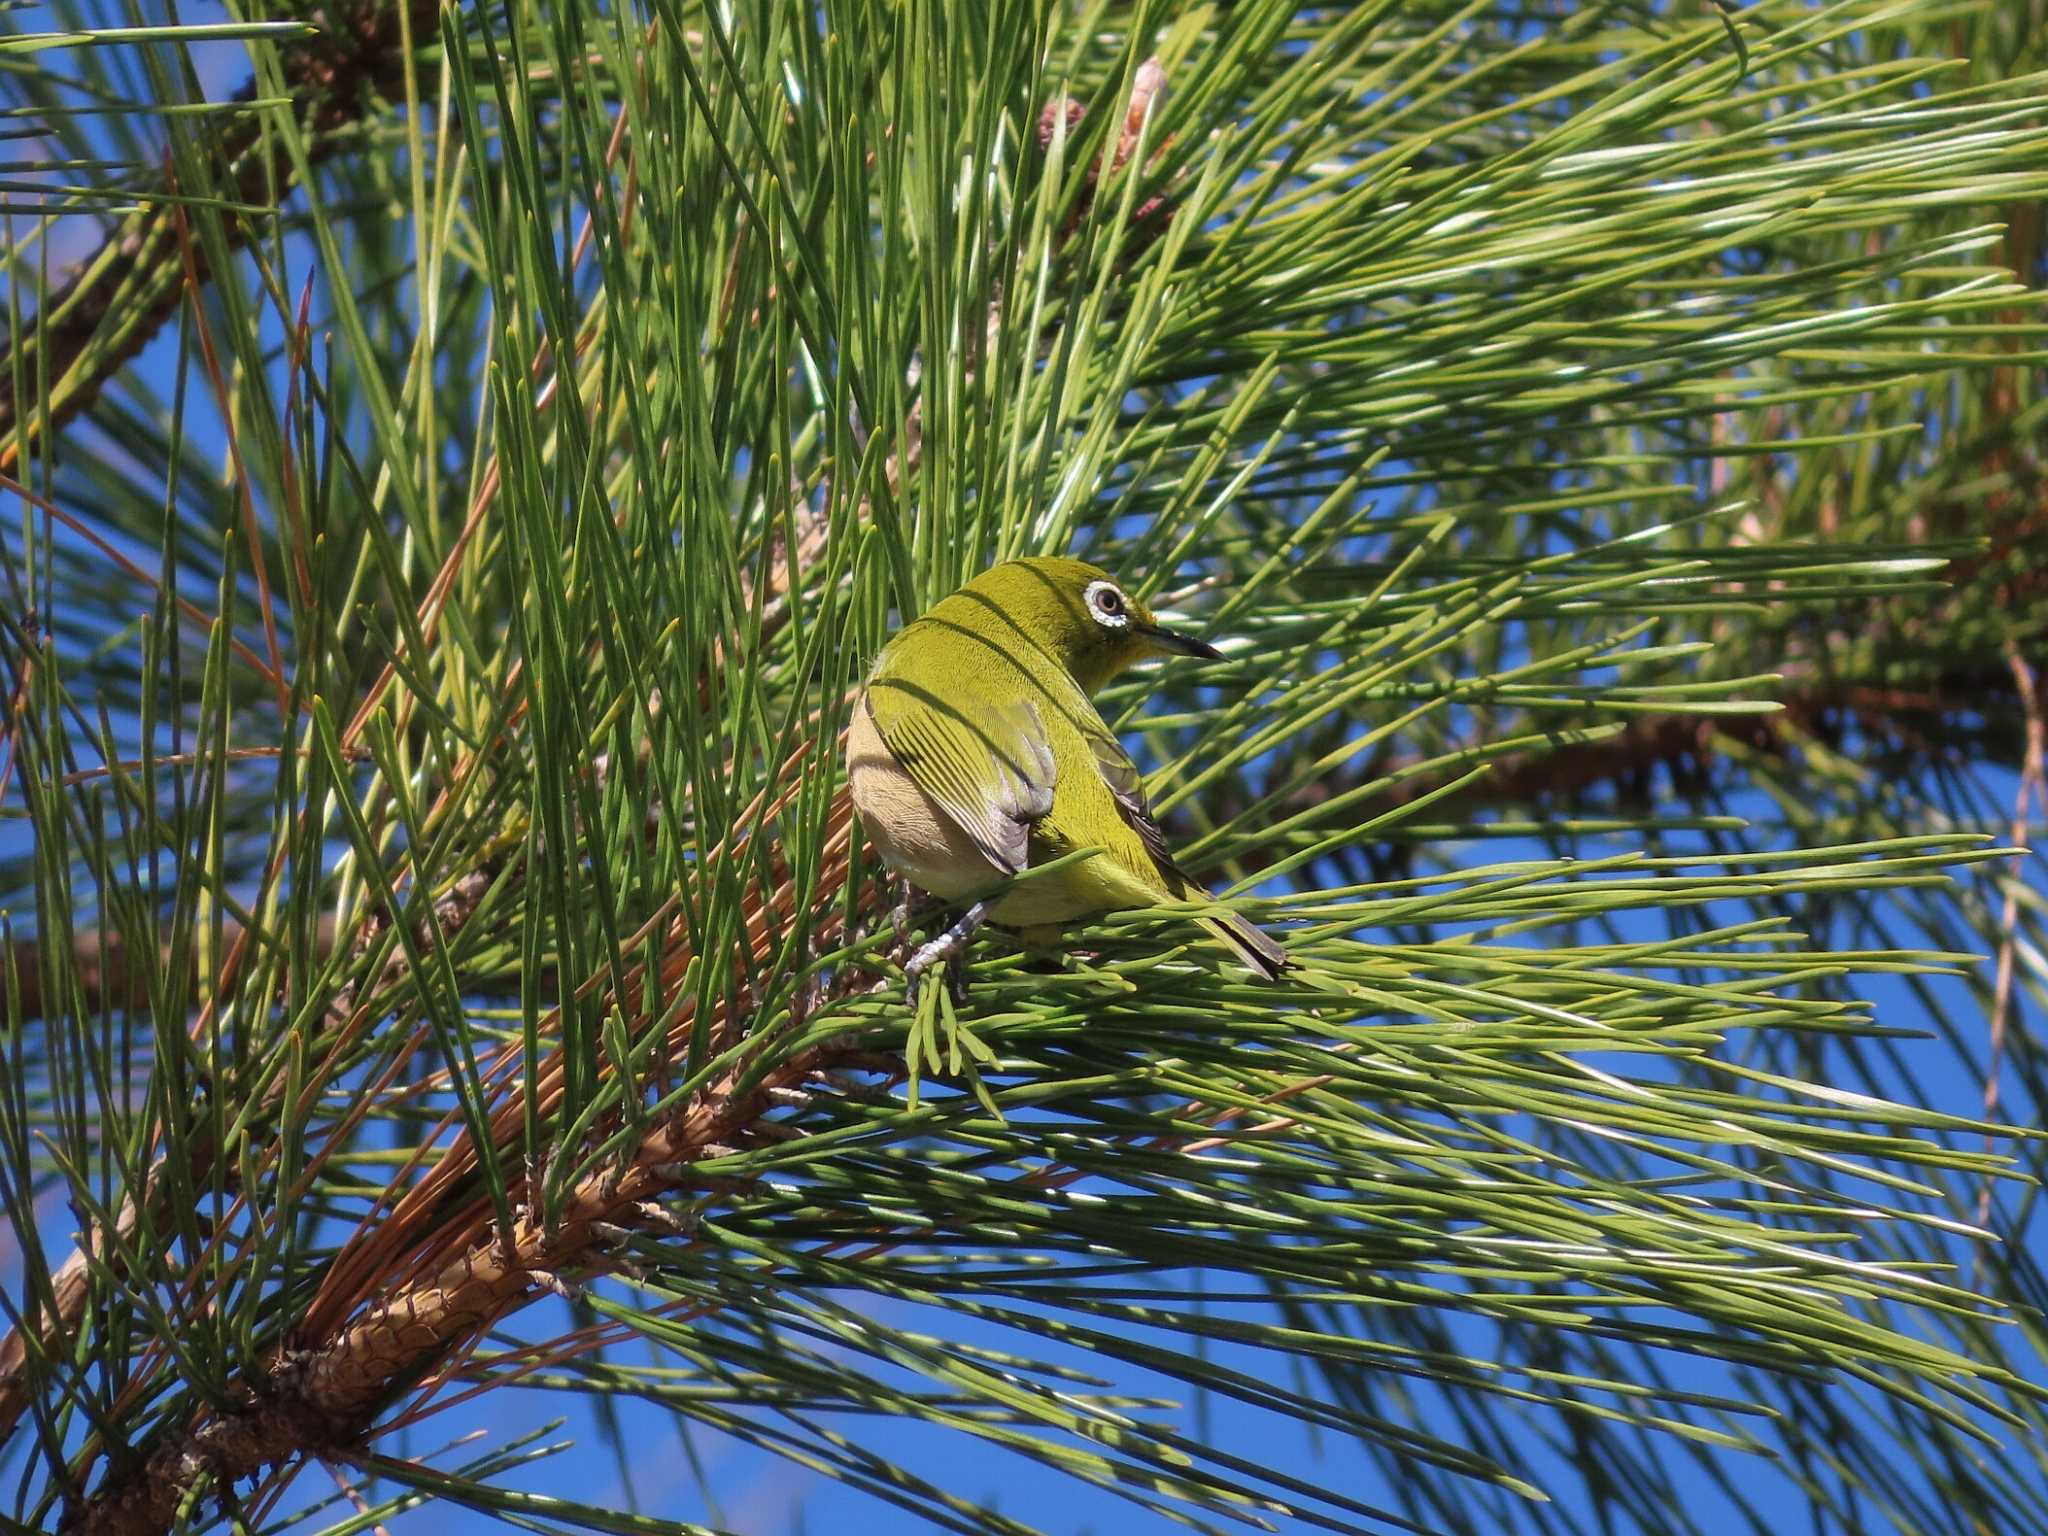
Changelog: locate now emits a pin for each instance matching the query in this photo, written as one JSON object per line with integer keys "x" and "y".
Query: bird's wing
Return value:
{"x": 992, "y": 774}
{"x": 1127, "y": 785}
{"x": 1258, "y": 950}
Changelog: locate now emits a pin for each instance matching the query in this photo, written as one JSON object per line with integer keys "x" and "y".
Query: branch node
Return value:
{"x": 547, "y": 1279}
{"x": 654, "y": 1213}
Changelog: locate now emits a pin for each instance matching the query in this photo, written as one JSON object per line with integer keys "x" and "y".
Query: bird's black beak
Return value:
{"x": 1177, "y": 644}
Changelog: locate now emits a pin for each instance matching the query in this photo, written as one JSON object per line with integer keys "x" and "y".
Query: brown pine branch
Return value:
{"x": 2033, "y": 785}
{"x": 409, "y": 1296}
{"x": 113, "y": 976}
{"x": 1690, "y": 747}
{"x": 322, "y": 1399}
{"x": 71, "y": 1285}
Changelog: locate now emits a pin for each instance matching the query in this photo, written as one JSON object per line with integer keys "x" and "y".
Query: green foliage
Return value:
{"x": 1593, "y": 451}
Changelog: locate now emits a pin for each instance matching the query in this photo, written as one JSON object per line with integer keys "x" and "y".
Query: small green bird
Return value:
{"x": 975, "y": 753}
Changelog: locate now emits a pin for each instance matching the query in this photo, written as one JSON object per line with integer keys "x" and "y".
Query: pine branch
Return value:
{"x": 1397, "y": 238}
{"x": 320, "y": 1396}
{"x": 318, "y": 1401}
{"x": 109, "y": 975}
{"x": 127, "y": 986}
{"x": 321, "y": 1399}
{"x": 122, "y": 294}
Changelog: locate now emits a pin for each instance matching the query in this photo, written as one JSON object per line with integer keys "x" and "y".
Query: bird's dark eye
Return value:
{"x": 1109, "y": 600}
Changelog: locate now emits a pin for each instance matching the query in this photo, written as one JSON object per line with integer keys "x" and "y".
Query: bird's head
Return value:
{"x": 1076, "y": 613}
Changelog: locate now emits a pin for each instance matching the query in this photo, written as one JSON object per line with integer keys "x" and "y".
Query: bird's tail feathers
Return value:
{"x": 1259, "y": 951}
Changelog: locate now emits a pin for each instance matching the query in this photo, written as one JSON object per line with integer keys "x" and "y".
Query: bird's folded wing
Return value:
{"x": 1127, "y": 785}
{"x": 993, "y": 773}
{"x": 1259, "y": 951}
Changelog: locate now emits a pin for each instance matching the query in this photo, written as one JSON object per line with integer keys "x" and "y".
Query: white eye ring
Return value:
{"x": 1107, "y": 605}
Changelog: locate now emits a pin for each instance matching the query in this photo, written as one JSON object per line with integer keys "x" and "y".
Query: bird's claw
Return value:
{"x": 912, "y": 904}
{"x": 929, "y": 957}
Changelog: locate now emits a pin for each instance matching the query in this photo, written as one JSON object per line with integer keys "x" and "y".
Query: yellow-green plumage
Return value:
{"x": 975, "y": 753}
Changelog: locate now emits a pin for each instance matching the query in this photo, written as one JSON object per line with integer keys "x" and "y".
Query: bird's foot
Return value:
{"x": 940, "y": 952}
{"x": 912, "y": 904}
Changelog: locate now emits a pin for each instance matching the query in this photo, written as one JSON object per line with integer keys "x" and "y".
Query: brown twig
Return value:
{"x": 2031, "y": 785}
